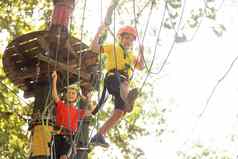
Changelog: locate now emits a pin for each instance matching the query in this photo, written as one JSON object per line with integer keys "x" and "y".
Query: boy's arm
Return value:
{"x": 95, "y": 45}
{"x": 139, "y": 61}
{"x": 89, "y": 105}
{"x": 92, "y": 106}
{"x": 54, "y": 88}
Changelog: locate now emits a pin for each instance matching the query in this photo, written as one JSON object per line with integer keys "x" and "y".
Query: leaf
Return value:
{"x": 219, "y": 29}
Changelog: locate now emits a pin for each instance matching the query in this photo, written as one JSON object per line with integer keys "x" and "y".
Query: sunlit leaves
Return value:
{"x": 195, "y": 17}
{"x": 219, "y": 29}
{"x": 201, "y": 152}
{"x": 175, "y": 3}
{"x": 210, "y": 12}
{"x": 17, "y": 15}
{"x": 13, "y": 139}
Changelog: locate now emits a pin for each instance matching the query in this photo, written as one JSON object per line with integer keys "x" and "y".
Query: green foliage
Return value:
{"x": 219, "y": 29}
{"x": 13, "y": 137}
{"x": 198, "y": 151}
{"x": 176, "y": 4}
{"x": 17, "y": 15}
{"x": 193, "y": 21}
{"x": 128, "y": 130}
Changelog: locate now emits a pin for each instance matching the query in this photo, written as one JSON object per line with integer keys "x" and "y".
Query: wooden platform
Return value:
{"x": 29, "y": 60}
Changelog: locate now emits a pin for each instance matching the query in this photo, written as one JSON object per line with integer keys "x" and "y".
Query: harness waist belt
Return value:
{"x": 112, "y": 72}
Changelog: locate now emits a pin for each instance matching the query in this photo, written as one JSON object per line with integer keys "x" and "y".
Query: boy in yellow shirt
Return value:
{"x": 120, "y": 61}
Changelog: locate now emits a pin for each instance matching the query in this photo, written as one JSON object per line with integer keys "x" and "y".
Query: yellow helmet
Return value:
{"x": 74, "y": 87}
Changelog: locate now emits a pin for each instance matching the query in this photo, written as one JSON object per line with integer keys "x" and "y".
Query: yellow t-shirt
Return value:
{"x": 120, "y": 59}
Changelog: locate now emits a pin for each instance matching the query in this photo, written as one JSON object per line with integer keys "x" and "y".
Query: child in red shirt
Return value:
{"x": 67, "y": 118}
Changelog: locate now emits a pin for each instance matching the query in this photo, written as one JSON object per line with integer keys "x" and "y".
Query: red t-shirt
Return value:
{"x": 67, "y": 116}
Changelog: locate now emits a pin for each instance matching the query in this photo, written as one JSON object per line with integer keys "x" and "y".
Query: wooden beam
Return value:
{"x": 63, "y": 66}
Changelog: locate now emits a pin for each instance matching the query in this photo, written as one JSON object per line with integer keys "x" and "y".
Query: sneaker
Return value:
{"x": 130, "y": 100}
{"x": 98, "y": 140}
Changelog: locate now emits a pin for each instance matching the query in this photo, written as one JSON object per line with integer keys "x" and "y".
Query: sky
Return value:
{"x": 193, "y": 70}
{"x": 184, "y": 85}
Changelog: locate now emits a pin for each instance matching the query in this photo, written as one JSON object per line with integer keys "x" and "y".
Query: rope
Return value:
{"x": 100, "y": 69}
{"x": 156, "y": 43}
{"x": 57, "y": 45}
{"x": 171, "y": 48}
{"x": 46, "y": 106}
{"x": 223, "y": 76}
{"x": 96, "y": 126}
{"x": 20, "y": 99}
{"x": 67, "y": 85}
{"x": 209, "y": 98}
{"x": 174, "y": 41}
{"x": 78, "y": 132}
{"x": 47, "y": 103}
{"x": 81, "y": 39}
{"x": 114, "y": 40}
{"x": 143, "y": 8}
{"x": 141, "y": 42}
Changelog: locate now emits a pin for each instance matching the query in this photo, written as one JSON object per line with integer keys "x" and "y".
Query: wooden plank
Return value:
{"x": 27, "y": 45}
{"x": 78, "y": 47}
{"x": 62, "y": 66}
{"x": 77, "y": 43}
{"x": 31, "y": 35}
{"x": 32, "y": 52}
{"x": 21, "y": 55}
{"x": 10, "y": 50}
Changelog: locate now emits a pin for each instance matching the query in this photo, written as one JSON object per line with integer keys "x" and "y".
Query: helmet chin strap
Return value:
{"x": 125, "y": 49}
